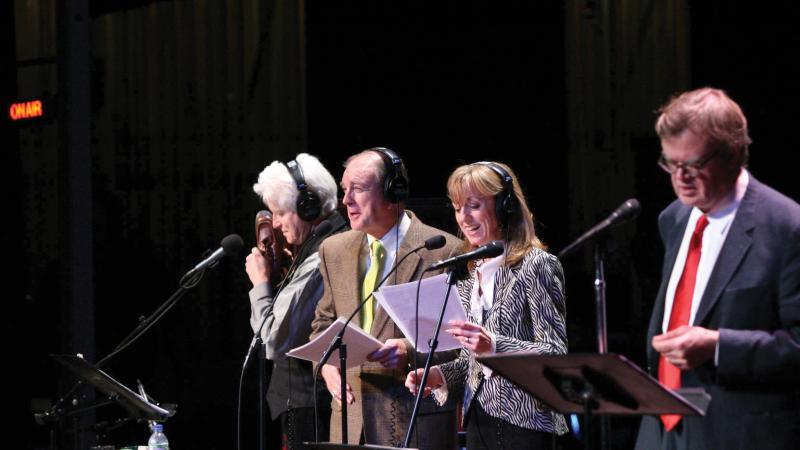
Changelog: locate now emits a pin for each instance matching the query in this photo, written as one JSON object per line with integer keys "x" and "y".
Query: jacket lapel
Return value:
{"x": 673, "y": 245}
{"x": 736, "y": 245}
{"x": 506, "y": 280}
{"x": 347, "y": 267}
{"x": 672, "y": 237}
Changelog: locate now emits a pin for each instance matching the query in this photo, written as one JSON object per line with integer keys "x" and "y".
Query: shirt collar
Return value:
{"x": 489, "y": 267}
{"x": 734, "y": 198}
{"x": 395, "y": 234}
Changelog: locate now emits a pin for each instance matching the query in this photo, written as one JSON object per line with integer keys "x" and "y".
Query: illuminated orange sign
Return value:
{"x": 26, "y": 110}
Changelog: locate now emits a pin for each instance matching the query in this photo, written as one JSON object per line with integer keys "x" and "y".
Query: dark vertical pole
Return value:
{"x": 602, "y": 334}
{"x": 262, "y": 400}
{"x": 11, "y": 229}
{"x": 343, "y": 392}
{"x": 76, "y": 202}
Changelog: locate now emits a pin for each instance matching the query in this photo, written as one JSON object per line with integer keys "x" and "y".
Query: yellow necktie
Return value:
{"x": 370, "y": 280}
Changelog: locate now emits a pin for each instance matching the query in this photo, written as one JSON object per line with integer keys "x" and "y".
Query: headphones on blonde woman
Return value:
{"x": 308, "y": 205}
{"x": 505, "y": 203}
{"x": 395, "y": 181}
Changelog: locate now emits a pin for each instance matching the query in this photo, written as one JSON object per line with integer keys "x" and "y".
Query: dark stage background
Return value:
{"x": 164, "y": 112}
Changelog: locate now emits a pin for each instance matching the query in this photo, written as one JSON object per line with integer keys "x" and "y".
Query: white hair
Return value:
{"x": 275, "y": 184}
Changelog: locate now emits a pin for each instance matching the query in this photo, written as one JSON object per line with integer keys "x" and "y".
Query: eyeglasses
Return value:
{"x": 691, "y": 167}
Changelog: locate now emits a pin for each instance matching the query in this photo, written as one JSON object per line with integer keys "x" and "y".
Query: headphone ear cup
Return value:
{"x": 308, "y": 206}
{"x": 511, "y": 205}
{"x": 505, "y": 206}
{"x": 500, "y": 210}
{"x": 395, "y": 189}
{"x": 395, "y": 184}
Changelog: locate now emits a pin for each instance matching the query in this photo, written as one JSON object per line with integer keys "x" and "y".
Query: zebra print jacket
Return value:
{"x": 528, "y": 313}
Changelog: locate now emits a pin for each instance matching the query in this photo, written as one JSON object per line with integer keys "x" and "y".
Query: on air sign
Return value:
{"x": 31, "y": 109}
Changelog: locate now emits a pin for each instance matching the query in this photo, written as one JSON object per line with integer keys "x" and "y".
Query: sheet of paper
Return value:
{"x": 399, "y": 302}
{"x": 359, "y": 345}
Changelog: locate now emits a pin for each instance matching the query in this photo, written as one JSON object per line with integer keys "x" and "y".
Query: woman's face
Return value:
{"x": 476, "y": 219}
{"x": 294, "y": 229}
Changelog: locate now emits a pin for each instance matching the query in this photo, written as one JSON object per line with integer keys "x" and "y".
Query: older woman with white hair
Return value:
{"x": 301, "y": 194}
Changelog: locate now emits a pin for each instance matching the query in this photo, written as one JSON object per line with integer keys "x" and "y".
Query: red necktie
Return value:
{"x": 668, "y": 374}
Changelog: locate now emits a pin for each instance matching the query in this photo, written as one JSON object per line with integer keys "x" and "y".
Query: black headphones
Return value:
{"x": 395, "y": 182}
{"x": 505, "y": 203}
{"x": 308, "y": 205}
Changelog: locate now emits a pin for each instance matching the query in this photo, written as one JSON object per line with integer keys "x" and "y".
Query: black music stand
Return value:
{"x": 592, "y": 384}
{"x": 137, "y": 407}
{"x": 335, "y": 446}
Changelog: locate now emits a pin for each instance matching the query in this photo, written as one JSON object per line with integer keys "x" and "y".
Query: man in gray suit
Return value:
{"x": 375, "y": 186}
{"x": 727, "y": 314}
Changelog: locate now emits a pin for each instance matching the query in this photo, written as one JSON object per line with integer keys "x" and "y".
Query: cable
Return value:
{"x": 239, "y": 412}
{"x": 256, "y": 338}
{"x": 416, "y": 342}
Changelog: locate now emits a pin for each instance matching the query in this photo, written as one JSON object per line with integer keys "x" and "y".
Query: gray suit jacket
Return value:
{"x": 753, "y": 299}
{"x": 383, "y": 405}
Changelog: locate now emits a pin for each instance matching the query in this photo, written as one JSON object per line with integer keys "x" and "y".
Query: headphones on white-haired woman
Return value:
{"x": 308, "y": 205}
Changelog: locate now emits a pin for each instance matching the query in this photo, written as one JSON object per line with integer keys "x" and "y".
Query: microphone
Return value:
{"x": 432, "y": 243}
{"x": 263, "y": 230}
{"x": 490, "y": 250}
{"x": 230, "y": 244}
{"x": 624, "y": 213}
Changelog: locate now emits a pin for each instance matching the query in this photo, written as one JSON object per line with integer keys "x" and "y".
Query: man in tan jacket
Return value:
{"x": 375, "y": 186}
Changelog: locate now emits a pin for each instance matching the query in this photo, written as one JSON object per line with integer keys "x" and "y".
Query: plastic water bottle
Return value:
{"x": 158, "y": 441}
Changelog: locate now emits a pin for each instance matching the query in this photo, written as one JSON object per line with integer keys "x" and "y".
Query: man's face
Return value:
{"x": 367, "y": 210}
{"x": 709, "y": 185}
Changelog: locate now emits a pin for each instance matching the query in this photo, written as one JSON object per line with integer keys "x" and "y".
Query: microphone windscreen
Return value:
{"x": 435, "y": 242}
{"x": 493, "y": 249}
{"x": 232, "y": 244}
{"x": 626, "y": 211}
{"x": 632, "y": 206}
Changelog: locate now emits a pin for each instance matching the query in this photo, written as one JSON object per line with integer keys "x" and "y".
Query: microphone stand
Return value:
{"x": 625, "y": 212}
{"x": 188, "y": 281}
{"x": 602, "y": 336}
{"x": 433, "y": 343}
{"x": 600, "y": 317}
{"x": 600, "y": 306}
{"x": 600, "y": 299}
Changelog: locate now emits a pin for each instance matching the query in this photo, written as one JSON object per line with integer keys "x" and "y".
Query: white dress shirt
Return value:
{"x": 391, "y": 243}
{"x": 719, "y": 222}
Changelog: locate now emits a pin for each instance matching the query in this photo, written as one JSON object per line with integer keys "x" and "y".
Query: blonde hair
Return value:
{"x": 480, "y": 179}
